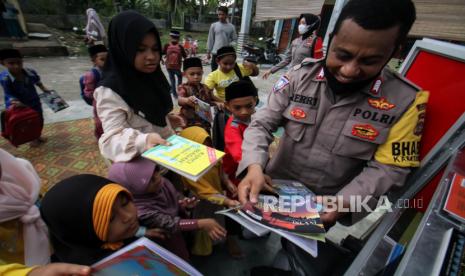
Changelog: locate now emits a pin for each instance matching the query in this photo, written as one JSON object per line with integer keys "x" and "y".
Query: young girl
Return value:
{"x": 225, "y": 74}
{"x": 89, "y": 217}
{"x": 160, "y": 205}
{"x": 209, "y": 188}
{"x": 134, "y": 101}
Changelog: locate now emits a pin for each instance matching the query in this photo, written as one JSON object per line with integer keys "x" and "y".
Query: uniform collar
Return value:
{"x": 373, "y": 89}
{"x": 12, "y": 78}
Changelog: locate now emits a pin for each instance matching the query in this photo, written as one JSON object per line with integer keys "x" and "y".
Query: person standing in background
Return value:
{"x": 222, "y": 33}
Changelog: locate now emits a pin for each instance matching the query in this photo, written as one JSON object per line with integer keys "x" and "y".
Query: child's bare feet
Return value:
{"x": 234, "y": 249}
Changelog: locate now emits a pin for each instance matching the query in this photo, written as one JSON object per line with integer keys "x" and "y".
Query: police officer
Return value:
{"x": 352, "y": 127}
{"x": 301, "y": 47}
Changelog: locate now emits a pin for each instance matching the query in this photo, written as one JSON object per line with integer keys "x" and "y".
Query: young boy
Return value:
{"x": 174, "y": 53}
{"x": 192, "y": 90}
{"x": 98, "y": 55}
{"x": 226, "y": 74}
{"x": 19, "y": 84}
{"x": 241, "y": 98}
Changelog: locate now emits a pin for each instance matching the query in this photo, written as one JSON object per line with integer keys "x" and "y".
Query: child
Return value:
{"x": 241, "y": 98}
{"x": 209, "y": 188}
{"x": 98, "y": 55}
{"x": 133, "y": 101}
{"x": 225, "y": 74}
{"x": 89, "y": 217}
{"x": 174, "y": 53}
{"x": 19, "y": 84}
{"x": 160, "y": 205}
{"x": 192, "y": 90}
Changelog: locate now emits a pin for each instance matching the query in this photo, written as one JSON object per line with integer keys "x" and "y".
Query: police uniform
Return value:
{"x": 361, "y": 144}
{"x": 297, "y": 52}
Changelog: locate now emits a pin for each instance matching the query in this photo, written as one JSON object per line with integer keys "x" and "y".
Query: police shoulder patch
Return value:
{"x": 281, "y": 83}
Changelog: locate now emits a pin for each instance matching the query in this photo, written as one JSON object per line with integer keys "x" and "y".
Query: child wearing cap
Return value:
{"x": 18, "y": 84}
{"x": 192, "y": 90}
{"x": 174, "y": 53}
{"x": 225, "y": 74}
{"x": 241, "y": 99}
{"x": 98, "y": 55}
{"x": 159, "y": 205}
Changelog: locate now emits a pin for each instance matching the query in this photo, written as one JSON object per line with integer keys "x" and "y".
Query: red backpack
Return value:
{"x": 173, "y": 57}
{"x": 21, "y": 125}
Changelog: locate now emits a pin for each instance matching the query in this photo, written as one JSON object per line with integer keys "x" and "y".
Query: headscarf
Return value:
{"x": 94, "y": 27}
{"x": 136, "y": 175}
{"x": 147, "y": 93}
{"x": 19, "y": 189}
{"x": 313, "y": 21}
{"x": 76, "y": 227}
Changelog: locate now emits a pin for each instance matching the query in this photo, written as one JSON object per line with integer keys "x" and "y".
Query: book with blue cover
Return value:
{"x": 143, "y": 258}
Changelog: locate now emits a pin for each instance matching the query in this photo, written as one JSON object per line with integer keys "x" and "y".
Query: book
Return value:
{"x": 204, "y": 110}
{"x": 455, "y": 201}
{"x": 143, "y": 257}
{"x": 185, "y": 157}
{"x": 54, "y": 101}
{"x": 301, "y": 225}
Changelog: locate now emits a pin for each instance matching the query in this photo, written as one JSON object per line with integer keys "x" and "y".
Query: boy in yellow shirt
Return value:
{"x": 225, "y": 74}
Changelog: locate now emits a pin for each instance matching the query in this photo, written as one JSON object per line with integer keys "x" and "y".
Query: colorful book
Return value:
{"x": 54, "y": 101}
{"x": 204, "y": 110}
{"x": 143, "y": 257}
{"x": 185, "y": 157}
{"x": 301, "y": 226}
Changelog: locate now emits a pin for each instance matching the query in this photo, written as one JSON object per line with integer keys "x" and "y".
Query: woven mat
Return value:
{"x": 71, "y": 149}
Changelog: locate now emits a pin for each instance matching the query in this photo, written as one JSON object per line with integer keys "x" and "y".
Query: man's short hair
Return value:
{"x": 223, "y": 9}
{"x": 379, "y": 15}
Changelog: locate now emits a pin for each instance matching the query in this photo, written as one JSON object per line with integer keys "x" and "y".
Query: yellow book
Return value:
{"x": 185, "y": 157}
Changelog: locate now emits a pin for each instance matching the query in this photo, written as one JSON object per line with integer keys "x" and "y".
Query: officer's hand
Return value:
{"x": 328, "y": 216}
{"x": 266, "y": 75}
{"x": 252, "y": 184}
{"x": 60, "y": 269}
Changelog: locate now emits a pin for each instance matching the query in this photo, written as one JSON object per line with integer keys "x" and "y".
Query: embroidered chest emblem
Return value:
{"x": 298, "y": 113}
{"x": 381, "y": 104}
{"x": 367, "y": 132}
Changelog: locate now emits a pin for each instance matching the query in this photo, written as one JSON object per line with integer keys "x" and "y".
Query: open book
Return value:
{"x": 297, "y": 222}
{"x": 143, "y": 257}
{"x": 185, "y": 157}
{"x": 54, "y": 101}
{"x": 204, "y": 110}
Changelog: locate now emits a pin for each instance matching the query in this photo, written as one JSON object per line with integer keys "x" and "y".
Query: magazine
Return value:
{"x": 204, "y": 110}
{"x": 54, "y": 101}
{"x": 143, "y": 257}
{"x": 301, "y": 226}
{"x": 185, "y": 157}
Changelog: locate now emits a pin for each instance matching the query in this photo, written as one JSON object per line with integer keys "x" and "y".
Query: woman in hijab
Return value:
{"x": 95, "y": 32}
{"x": 19, "y": 190}
{"x": 301, "y": 47}
{"x": 133, "y": 101}
{"x": 89, "y": 217}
